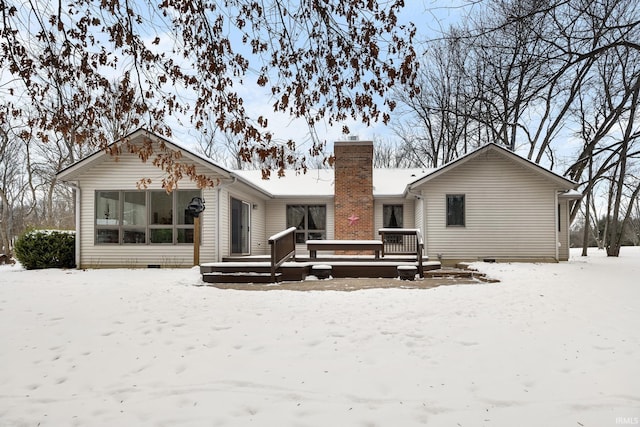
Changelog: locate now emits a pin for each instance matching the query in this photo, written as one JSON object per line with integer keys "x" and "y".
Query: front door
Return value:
{"x": 240, "y": 221}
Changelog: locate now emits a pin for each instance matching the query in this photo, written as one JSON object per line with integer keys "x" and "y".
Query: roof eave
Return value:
{"x": 70, "y": 173}
{"x": 570, "y": 195}
{"x": 565, "y": 182}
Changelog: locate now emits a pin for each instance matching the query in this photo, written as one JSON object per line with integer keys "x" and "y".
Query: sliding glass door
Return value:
{"x": 240, "y": 220}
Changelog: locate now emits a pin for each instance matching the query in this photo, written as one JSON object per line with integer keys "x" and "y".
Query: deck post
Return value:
{"x": 195, "y": 208}
{"x": 419, "y": 250}
{"x": 196, "y": 240}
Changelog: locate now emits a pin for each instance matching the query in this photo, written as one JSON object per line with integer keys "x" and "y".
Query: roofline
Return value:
{"x": 252, "y": 184}
{"x": 570, "y": 195}
{"x": 142, "y": 132}
{"x": 492, "y": 145}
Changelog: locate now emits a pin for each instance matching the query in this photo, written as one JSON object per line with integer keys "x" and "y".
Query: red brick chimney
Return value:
{"x": 353, "y": 201}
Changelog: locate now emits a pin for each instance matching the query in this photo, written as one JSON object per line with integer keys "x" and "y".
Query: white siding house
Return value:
{"x": 510, "y": 209}
{"x": 119, "y": 224}
{"x": 489, "y": 204}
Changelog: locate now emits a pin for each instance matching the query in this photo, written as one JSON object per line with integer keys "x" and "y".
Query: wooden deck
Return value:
{"x": 255, "y": 269}
{"x": 398, "y": 249}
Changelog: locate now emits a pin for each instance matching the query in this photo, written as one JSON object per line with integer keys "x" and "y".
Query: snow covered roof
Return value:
{"x": 389, "y": 182}
{"x": 393, "y": 182}
{"x": 314, "y": 183}
{"x": 320, "y": 182}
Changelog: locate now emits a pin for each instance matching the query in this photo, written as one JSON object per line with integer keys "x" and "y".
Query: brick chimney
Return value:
{"x": 353, "y": 201}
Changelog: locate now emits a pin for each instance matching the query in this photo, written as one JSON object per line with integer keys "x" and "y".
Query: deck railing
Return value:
{"x": 403, "y": 241}
{"x": 283, "y": 247}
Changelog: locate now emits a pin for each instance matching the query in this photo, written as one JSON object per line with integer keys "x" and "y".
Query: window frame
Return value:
{"x": 305, "y": 231}
{"x": 452, "y": 217}
{"x": 400, "y": 219}
{"x": 176, "y": 227}
{"x": 393, "y": 238}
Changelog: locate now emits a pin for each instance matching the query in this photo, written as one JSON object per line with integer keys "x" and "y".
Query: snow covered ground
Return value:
{"x": 550, "y": 345}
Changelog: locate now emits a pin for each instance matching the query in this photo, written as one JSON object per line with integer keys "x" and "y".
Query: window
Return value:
{"x": 144, "y": 217}
{"x": 184, "y": 219}
{"x": 310, "y": 221}
{"x": 392, "y": 218}
{"x": 134, "y": 217}
{"x": 107, "y": 217}
{"x": 455, "y": 210}
{"x": 161, "y": 227}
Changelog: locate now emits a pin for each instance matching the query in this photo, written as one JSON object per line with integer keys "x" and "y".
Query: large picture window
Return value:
{"x": 310, "y": 221}
{"x": 455, "y": 210}
{"x": 144, "y": 217}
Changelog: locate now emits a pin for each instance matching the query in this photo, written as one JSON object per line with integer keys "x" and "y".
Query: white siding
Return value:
{"x": 259, "y": 244}
{"x": 408, "y": 213}
{"x": 563, "y": 234}
{"x": 223, "y": 215}
{"x": 419, "y": 217}
{"x": 123, "y": 174}
{"x": 510, "y": 212}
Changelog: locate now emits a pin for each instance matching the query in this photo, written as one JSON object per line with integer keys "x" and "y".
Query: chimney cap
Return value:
{"x": 352, "y": 142}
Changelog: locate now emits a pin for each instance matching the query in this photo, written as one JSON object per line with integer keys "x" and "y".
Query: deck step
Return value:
{"x": 240, "y": 277}
{"x": 259, "y": 272}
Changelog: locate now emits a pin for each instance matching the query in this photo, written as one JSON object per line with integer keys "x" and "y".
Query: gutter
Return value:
{"x": 78, "y": 191}
{"x": 409, "y": 192}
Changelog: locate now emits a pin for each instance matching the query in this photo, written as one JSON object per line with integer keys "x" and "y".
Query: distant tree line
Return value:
{"x": 77, "y": 74}
{"x": 557, "y": 81}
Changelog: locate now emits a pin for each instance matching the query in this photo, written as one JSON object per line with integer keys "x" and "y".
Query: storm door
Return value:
{"x": 240, "y": 220}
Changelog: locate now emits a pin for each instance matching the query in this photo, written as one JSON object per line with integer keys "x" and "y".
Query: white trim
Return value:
{"x": 248, "y": 225}
{"x": 557, "y": 209}
{"x": 499, "y": 149}
{"x": 76, "y": 187}
{"x": 218, "y": 210}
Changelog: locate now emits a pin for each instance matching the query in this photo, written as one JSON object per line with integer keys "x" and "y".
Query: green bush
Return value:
{"x": 46, "y": 249}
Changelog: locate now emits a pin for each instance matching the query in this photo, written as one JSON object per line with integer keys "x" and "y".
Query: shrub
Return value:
{"x": 46, "y": 249}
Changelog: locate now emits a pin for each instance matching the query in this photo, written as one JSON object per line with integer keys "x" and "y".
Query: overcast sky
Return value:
{"x": 430, "y": 18}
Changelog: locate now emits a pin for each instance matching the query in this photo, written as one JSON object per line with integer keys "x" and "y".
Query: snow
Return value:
{"x": 326, "y": 242}
{"x": 282, "y": 233}
{"x": 314, "y": 183}
{"x": 550, "y": 345}
{"x": 320, "y": 182}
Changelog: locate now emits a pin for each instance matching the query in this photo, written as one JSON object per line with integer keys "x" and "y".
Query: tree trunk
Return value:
{"x": 615, "y": 236}
{"x": 585, "y": 234}
{"x": 5, "y": 243}
{"x": 587, "y": 222}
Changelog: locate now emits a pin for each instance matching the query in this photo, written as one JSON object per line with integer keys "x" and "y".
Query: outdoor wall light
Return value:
{"x": 196, "y": 206}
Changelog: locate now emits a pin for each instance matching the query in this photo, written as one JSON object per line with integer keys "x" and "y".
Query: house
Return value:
{"x": 488, "y": 204}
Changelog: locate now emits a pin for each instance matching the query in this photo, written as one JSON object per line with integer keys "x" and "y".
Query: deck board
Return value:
{"x": 342, "y": 267}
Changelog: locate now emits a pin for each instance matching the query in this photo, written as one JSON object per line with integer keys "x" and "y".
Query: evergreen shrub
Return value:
{"x": 38, "y": 249}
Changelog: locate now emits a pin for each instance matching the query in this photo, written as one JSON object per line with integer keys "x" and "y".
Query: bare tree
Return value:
{"x": 536, "y": 74}
{"x": 390, "y": 153}
{"x": 436, "y": 121}
{"x": 318, "y": 61}
{"x": 17, "y": 203}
